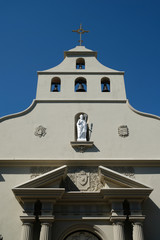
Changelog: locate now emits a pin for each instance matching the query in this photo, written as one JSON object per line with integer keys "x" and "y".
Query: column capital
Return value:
{"x": 118, "y": 219}
{"x": 27, "y": 219}
{"x": 137, "y": 219}
{"x": 46, "y": 219}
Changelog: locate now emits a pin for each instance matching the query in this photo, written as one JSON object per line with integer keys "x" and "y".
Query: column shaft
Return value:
{"x": 137, "y": 231}
{"x": 26, "y": 233}
{"x": 118, "y": 231}
{"x": 45, "y": 231}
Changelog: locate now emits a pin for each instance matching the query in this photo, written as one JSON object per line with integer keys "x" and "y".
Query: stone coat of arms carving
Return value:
{"x": 83, "y": 180}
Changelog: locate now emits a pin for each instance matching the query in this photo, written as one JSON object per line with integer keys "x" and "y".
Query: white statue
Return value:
{"x": 81, "y": 129}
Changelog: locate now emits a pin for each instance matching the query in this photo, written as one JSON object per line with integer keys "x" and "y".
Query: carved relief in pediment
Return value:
{"x": 83, "y": 179}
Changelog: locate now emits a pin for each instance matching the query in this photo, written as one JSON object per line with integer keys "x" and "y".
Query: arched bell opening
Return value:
{"x": 76, "y": 118}
{"x": 80, "y": 85}
{"x": 105, "y": 84}
{"x": 80, "y": 63}
{"x": 56, "y": 84}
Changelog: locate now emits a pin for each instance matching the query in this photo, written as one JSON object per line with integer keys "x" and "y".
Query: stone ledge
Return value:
{"x": 81, "y": 145}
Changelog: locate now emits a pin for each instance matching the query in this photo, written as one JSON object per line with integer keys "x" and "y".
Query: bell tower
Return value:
{"x": 81, "y": 77}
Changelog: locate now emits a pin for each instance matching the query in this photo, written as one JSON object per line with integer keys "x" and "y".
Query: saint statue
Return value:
{"x": 81, "y": 128}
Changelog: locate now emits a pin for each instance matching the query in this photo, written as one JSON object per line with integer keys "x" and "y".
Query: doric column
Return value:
{"x": 46, "y": 220}
{"x": 118, "y": 230}
{"x": 138, "y": 231}
{"x": 45, "y": 231}
{"x": 137, "y": 219}
{"x": 27, "y": 227}
{"x": 27, "y": 219}
{"x": 46, "y": 224}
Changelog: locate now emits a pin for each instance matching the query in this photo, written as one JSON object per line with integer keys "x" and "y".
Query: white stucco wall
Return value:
{"x": 18, "y": 140}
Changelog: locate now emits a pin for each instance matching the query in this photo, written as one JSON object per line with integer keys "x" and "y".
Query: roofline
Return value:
{"x": 142, "y": 113}
{"x": 80, "y": 53}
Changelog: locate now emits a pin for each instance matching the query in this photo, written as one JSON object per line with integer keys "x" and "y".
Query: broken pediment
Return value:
{"x": 118, "y": 179}
{"x": 120, "y": 186}
{"x": 45, "y": 186}
{"x": 81, "y": 182}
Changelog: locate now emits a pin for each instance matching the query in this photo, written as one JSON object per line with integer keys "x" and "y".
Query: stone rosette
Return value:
{"x": 40, "y": 131}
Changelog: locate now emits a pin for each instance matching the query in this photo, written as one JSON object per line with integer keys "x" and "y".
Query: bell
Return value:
{"x": 80, "y": 88}
{"x": 105, "y": 88}
{"x": 55, "y": 88}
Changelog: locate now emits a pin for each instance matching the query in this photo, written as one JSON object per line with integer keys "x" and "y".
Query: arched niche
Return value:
{"x": 56, "y": 84}
{"x": 80, "y": 63}
{"x": 82, "y": 235}
{"x": 105, "y": 84}
{"x": 76, "y": 118}
{"x": 80, "y": 85}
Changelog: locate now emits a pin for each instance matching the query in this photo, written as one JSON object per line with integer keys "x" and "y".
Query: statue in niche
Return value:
{"x": 82, "y": 128}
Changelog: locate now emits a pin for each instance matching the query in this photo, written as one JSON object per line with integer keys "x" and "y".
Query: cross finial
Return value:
{"x": 80, "y": 31}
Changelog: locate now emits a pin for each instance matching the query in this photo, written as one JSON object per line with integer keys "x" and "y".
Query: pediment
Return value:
{"x": 118, "y": 186}
{"x": 51, "y": 179}
{"x": 114, "y": 179}
{"x": 103, "y": 183}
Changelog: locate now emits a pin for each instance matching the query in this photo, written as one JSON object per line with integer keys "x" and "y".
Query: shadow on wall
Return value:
{"x": 1, "y": 178}
{"x": 151, "y": 223}
{"x": 92, "y": 149}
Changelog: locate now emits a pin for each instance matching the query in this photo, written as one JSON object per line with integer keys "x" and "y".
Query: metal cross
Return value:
{"x": 80, "y": 31}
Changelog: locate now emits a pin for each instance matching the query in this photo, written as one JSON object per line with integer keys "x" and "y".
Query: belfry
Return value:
{"x": 80, "y": 163}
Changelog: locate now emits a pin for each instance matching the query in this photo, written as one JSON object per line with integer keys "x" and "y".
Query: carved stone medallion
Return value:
{"x": 82, "y": 235}
{"x": 83, "y": 180}
{"x": 123, "y": 131}
{"x": 40, "y": 131}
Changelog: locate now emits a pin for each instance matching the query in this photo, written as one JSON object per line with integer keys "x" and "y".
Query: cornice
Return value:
{"x": 129, "y": 193}
{"x": 52, "y": 162}
{"x": 25, "y": 194}
{"x": 80, "y": 53}
{"x": 35, "y": 101}
{"x": 79, "y": 73}
{"x": 81, "y": 101}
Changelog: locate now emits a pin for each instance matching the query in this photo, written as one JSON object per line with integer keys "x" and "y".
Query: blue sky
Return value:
{"x": 34, "y": 34}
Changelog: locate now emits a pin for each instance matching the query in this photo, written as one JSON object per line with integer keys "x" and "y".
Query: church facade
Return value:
{"x": 80, "y": 163}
